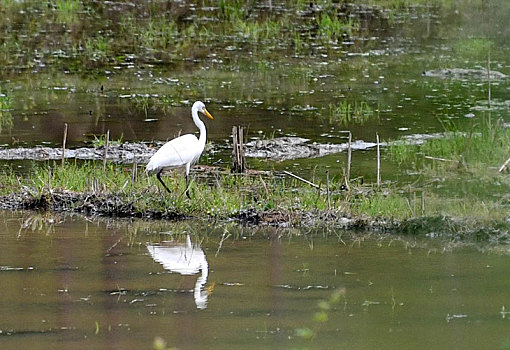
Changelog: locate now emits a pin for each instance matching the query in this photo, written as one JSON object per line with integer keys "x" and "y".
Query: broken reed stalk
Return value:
{"x": 346, "y": 182}
{"x": 414, "y": 201}
{"x": 238, "y": 159}
{"x": 422, "y": 202}
{"x": 441, "y": 159}
{"x": 349, "y": 157}
{"x": 300, "y": 179}
{"x": 505, "y": 165}
{"x": 410, "y": 207}
{"x": 378, "y": 161}
{"x": 64, "y": 144}
{"x": 134, "y": 172}
{"x": 106, "y": 148}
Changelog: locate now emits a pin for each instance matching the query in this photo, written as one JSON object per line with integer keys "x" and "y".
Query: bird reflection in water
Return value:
{"x": 185, "y": 259}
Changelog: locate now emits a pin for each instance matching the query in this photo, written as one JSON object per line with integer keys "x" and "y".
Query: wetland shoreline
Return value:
{"x": 101, "y": 202}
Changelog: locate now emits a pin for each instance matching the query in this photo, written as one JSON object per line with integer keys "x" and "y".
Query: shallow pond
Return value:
{"x": 277, "y": 93}
{"x": 70, "y": 282}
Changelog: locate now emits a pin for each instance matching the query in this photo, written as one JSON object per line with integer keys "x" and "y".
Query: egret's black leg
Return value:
{"x": 187, "y": 186}
{"x": 158, "y": 175}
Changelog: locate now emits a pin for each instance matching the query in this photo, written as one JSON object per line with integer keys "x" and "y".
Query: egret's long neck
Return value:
{"x": 200, "y": 125}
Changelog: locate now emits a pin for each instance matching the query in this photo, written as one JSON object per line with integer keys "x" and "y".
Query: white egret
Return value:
{"x": 182, "y": 151}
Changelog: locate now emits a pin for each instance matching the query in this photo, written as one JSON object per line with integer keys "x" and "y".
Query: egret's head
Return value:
{"x": 199, "y": 106}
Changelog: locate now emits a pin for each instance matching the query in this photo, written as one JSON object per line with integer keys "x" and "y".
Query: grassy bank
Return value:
{"x": 252, "y": 199}
{"x": 464, "y": 164}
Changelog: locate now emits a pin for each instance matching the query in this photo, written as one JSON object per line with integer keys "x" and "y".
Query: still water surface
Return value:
{"x": 117, "y": 284}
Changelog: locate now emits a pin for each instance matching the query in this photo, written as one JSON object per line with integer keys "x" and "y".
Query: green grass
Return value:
{"x": 459, "y": 172}
{"x": 67, "y": 11}
{"x": 473, "y": 48}
{"x": 346, "y": 113}
{"x": 97, "y": 49}
{"x": 220, "y": 195}
{"x": 332, "y": 27}
{"x": 224, "y": 195}
{"x": 100, "y": 141}
{"x": 484, "y": 143}
{"x": 6, "y": 118}
{"x": 5, "y": 101}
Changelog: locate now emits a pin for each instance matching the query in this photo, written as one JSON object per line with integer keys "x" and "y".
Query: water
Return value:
{"x": 69, "y": 282}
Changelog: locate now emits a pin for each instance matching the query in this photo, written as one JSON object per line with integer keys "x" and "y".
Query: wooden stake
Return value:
{"x": 49, "y": 178}
{"x": 327, "y": 189}
{"x": 64, "y": 144}
{"x": 238, "y": 159}
{"x": 349, "y": 157}
{"x": 106, "y": 148}
{"x": 489, "y": 75}
{"x": 378, "y": 161}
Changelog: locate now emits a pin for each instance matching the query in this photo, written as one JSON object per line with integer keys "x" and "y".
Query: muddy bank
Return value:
{"x": 287, "y": 148}
{"x": 108, "y": 205}
{"x": 122, "y": 153}
{"x": 92, "y": 204}
{"x": 283, "y": 148}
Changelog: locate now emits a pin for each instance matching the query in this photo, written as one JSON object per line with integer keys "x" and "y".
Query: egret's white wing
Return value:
{"x": 176, "y": 153}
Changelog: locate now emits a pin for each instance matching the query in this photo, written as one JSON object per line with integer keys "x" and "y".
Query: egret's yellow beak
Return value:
{"x": 206, "y": 112}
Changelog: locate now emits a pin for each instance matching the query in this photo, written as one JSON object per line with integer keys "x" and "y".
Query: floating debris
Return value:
{"x": 462, "y": 73}
{"x": 453, "y": 317}
{"x": 285, "y": 148}
{"x": 10, "y": 268}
